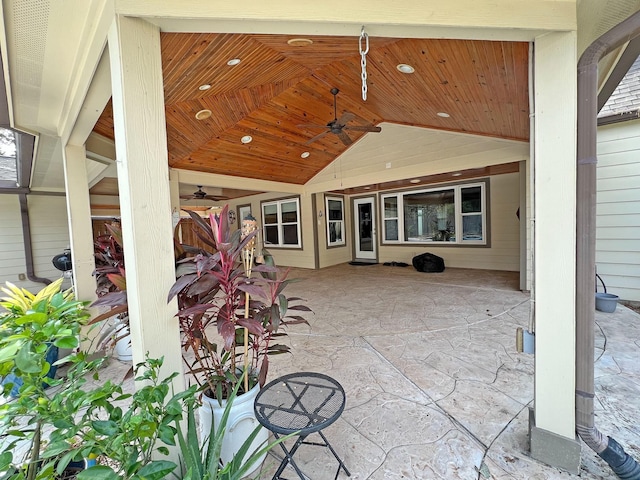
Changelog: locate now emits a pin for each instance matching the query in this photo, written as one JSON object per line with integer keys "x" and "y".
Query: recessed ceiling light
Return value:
{"x": 304, "y": 155}
{"x": 443, "y": 114}
{"x": 405, "y": 68}
{"x": 456, "y": 174}
{"x": 415, "y": 180}
{"x": 300, "y": 42}
{"x": 202, "y": 114}
{"x": 246, "y": 139}
{"x": 233, "y": 61}
{"x": 205, "y": 86}
{"x": 367, "y": 188}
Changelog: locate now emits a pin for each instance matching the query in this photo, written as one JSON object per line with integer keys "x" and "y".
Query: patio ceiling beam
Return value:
{"x": 500, "y": 19}
{"x": 226, "y": 181}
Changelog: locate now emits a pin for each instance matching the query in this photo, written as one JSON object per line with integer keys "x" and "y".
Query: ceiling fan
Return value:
{"x": 202, "y": 195}
{"x": 338, "y": 125}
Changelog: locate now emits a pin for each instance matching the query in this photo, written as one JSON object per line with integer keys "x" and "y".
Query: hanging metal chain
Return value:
{"x": 364, "y": 39}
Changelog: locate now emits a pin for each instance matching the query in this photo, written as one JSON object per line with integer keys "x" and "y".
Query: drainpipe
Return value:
{"x": 26, "y": 235}
{"x": 623, "y": 465}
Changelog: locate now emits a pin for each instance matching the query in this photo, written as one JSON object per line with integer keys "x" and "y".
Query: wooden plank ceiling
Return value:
{"x": 280, "y": 85}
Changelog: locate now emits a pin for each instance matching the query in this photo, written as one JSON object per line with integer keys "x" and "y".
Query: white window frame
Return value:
{"x": 457, "y": 189}
{"x": 339, "y": 224}
{"x": 280, "y": 224}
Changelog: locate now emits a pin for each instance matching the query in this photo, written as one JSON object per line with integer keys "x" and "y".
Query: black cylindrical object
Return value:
{"x": 63, "y": 261}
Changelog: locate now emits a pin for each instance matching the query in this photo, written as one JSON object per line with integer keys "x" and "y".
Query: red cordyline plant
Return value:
{"x": 111, "y": 285}
{"x": 211, "y": 289}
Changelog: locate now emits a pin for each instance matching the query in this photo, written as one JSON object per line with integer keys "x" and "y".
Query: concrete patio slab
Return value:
{"x": 435, "y": 387}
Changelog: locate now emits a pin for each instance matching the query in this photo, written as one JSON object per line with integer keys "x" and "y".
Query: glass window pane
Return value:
{"x": 472, "y": 227}
{"x": 290, "y": 233}
{"x": 270, "y": 214}
{"x": 289, "y": 212}
{"x": 289, "y": 207}
{"x": 335, "y": 232}
{"x": 429, "y": 216}
{"x": 391, "y": 230}
{"x": 471, "y": 200}
{"x": 391, "y": 207}
{"x": 271, "y": 235}
{"x": 8, "y": 166}
{"x": 334, "y": 211}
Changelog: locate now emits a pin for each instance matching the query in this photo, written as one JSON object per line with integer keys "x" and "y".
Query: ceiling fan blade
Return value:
{"x": 346, "y": 117}
{"x": 317, "y": 137}
{"x": 363, "y": 128}
{"x": 344, "y": 137}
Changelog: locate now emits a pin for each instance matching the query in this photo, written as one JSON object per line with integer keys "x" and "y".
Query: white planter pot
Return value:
{"x": 123, "y": 346}
{"x": 241, "y": 422}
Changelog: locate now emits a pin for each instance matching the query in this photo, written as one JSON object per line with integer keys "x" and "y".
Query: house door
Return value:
{"x": 364, "y": 228}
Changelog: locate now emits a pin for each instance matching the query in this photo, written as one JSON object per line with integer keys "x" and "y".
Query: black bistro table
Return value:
{"x": 300, "y": 402}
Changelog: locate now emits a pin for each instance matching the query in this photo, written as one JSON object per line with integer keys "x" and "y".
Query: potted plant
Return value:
{"x": 228, "y": 320}
{"x": 30, "y": 327}
{"x": 111, "y": 288}
{"x": 203, "y": 461}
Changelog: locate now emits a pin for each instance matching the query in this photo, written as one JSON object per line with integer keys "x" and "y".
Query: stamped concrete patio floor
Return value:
{"x": 435, "y": 388}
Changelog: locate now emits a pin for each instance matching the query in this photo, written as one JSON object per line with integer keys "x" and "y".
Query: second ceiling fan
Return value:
{"x": 337, "y": 126}
{"x": 200, "y": 194}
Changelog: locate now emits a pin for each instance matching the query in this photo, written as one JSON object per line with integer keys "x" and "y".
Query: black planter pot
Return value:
{"x": 51, "y": 357}
{"x": 72, "y": 471}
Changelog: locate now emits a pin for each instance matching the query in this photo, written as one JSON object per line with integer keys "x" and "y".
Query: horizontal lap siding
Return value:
{"x": 618, "y": 209}
{"x": 11, "y": 249}
{"x": 50, "y": 236}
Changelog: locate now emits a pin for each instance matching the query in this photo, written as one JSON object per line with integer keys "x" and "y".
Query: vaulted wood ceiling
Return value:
{"x": 280, "y": 85}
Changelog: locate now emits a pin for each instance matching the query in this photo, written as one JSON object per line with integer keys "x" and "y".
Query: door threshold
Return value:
{"x": 358, "y": 261}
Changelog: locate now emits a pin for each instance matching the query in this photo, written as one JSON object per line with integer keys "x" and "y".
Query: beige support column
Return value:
{"x": 553, "y": 438}
{"x": 174, "y": 189}
{"x": 143, "y": 182}
{"x": 80, "y": 227}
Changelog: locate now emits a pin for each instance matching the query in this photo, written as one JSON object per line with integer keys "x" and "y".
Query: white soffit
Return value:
{"x": 48, "y": 171}
{"x": 596, "y": 17}
{"x": 44, "y": 39}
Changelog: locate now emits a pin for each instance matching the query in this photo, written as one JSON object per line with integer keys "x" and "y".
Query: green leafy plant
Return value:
{"x": 211, "y": 289}
{"x": 111, "y": 287}
{"x": 131, "y": 434}
{"x": 72, "y": 420}
{"x": 203, "y": 462}
{"x": 31, "y": 325}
